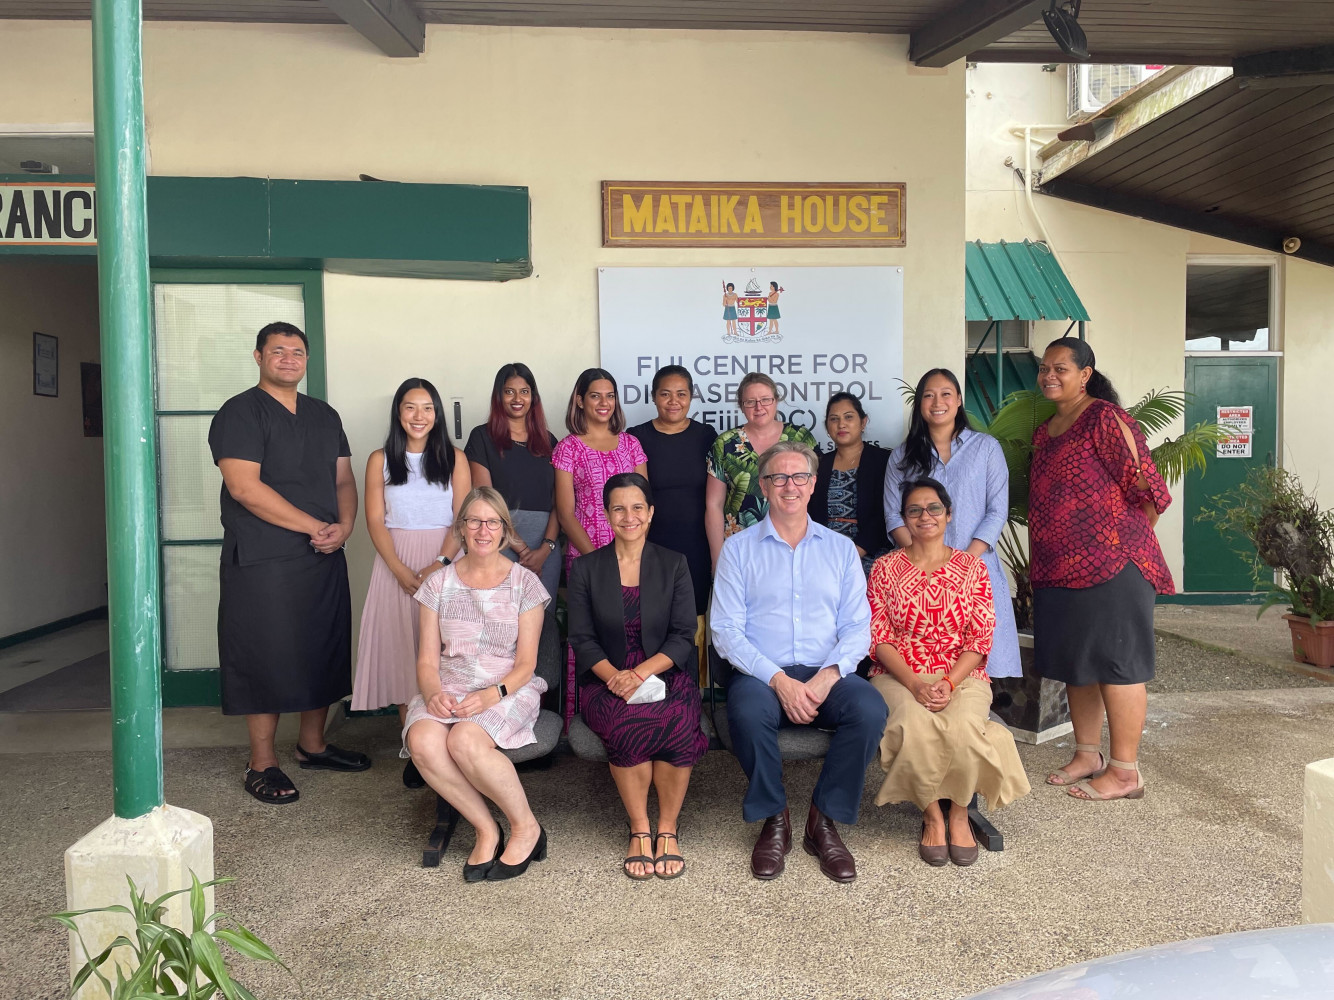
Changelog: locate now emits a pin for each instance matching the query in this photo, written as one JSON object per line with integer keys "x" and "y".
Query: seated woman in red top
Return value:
{"x": 932, "y": 619}
{"x": 1095, "y": 496}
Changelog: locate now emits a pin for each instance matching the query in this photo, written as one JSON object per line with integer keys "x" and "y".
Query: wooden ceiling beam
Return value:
{"x": 969, "y": 27}
{"x": 393, "y": 26}
{"x": 1311, "y": 67}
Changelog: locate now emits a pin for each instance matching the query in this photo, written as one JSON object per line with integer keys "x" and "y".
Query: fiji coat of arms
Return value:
{"x": 751, "y": 317}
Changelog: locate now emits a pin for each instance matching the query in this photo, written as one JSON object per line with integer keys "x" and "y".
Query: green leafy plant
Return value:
{"x": 1014, "y": 424}
{"x": 1272, "y": 521}
{"x": 167, "y": 962}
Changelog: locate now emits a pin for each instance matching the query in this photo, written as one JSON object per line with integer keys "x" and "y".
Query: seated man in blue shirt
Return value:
{"x": 790, "y": 615}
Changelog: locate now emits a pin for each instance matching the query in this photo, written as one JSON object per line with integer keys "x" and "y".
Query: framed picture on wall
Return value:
{"x": 90, "y": 378}
{"x": 45, "y": 365}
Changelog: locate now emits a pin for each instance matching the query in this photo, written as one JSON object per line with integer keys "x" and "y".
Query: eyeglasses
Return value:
{"x": 475, "y": 523}
{"x": 753, "y": 404}
{"x": 934, "y": 509}
{"x": 781, "y": 478}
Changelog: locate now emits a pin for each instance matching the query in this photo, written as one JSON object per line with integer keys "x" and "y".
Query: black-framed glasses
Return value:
{"x": 934, "y": 509}
{"x": 492, "y": 523}
{"x": 781, "y": 478}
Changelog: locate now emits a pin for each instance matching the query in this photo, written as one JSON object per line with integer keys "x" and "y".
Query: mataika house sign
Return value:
{"x": 732, "y": 214}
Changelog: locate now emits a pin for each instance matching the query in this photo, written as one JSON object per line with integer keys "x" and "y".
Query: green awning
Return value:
{"x": 1017, "y": 281}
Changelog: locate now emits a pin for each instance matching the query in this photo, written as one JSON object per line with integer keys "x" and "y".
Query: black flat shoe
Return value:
{"x": 412, "y": 778}
{"x": 270, "y": 786}
{"x": 501, "y": 871}
{"x": 478, "y": 873}
{"x": 332, "y": 759}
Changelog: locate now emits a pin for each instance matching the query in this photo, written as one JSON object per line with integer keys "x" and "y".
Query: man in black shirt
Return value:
{"x": 289, "y": 502}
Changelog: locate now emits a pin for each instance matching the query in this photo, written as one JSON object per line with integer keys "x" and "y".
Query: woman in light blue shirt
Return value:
{"x": 972, "y": 467}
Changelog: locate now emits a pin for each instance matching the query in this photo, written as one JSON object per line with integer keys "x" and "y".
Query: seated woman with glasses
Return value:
{"x": 481, "y": 618}
{"x": 732, "y": 497}
{"x": 932, "y": 621}
{"x": 632, "y": 617}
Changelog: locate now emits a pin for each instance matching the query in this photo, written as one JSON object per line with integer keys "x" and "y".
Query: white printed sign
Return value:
{"x": 815, "y": 331}
{"x": 43, "y": 213}
{"x": 1237, "y": 425}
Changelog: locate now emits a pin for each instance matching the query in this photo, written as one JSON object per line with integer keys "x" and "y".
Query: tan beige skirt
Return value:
{"x": 950, "y": 754}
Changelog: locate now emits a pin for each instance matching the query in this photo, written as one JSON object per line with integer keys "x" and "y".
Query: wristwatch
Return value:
{"x": 504, "y": 691}
{"x": 550, "y": 543}
{"x": 443, "y": 560}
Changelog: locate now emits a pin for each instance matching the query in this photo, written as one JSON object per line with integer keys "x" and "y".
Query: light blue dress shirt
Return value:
{"x": 775, "y": 606}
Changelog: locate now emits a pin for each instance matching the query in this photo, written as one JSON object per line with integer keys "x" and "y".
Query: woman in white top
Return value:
{"x": 414, "y": 486}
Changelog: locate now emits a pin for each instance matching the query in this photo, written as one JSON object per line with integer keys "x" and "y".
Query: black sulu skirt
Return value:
{"x": 1095, "y": 635}
{"x": 284, "y": 634}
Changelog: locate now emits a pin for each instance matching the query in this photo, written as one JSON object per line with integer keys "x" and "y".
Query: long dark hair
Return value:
{"x": 919, "y": 451}
{"x": 535, "y": 423}
{"x": 575, "y": 420}
{"x": 438, "y": 458}
{"x": 844, "y": 397}
{"x": 1099, "y": 385}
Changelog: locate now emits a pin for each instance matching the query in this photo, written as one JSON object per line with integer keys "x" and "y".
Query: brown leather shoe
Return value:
{"x": 769, "y": 857}
{"x": 822, "y": 841}
{"x": 935, "y": 855}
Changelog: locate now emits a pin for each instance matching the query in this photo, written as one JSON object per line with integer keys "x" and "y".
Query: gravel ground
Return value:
{"x": 1185, "y": 666}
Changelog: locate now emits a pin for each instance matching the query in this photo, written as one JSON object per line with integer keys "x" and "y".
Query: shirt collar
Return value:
{"x": 813, "y": 530}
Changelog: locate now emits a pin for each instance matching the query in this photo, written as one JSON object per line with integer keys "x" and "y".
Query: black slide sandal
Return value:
{"x": 332, "y": 758}
{"x": 269, "y": 785}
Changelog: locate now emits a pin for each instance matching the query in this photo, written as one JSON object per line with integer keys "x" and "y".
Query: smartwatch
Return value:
{"x": 443, "y": 560}
{"x": 504, "y": 691}
{"x": 550, "y": 543}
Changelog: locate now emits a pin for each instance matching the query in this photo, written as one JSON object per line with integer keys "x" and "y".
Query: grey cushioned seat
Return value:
{"x": 547, "y": 731}
{"x": 794, "y": 742}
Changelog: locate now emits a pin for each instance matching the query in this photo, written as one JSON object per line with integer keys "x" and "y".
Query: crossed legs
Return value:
{"x": 461, "y": 762}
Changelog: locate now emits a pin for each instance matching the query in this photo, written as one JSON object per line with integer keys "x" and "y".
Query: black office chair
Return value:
{"x": 551, "y": 668}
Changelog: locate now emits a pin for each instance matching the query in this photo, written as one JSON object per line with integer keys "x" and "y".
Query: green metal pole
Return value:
{"x": 130, "y": 435}
{"x": 1000, "y": 366}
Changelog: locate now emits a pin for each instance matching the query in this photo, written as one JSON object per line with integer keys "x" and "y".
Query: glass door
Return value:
{"x": 204, "y": 327}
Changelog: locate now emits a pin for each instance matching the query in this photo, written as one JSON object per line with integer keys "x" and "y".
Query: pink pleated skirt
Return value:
{"x": 387, "y": 649}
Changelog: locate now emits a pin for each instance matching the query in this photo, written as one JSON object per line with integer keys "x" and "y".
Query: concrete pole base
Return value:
{"x": 158, "y": 850}
{"x": 1318, "y": 844}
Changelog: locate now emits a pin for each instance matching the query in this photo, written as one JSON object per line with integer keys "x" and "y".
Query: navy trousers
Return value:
{"x": 854, "y": 711}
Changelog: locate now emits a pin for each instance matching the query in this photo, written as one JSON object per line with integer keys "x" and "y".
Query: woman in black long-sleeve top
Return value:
{"x": 849, "y": 492}
{"x": 632, "y": 615}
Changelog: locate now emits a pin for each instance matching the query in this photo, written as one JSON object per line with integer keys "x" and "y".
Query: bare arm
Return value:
{"x": 715, "y": 495}
{"x": 438, "y": 703}
{"x": 243, "y": 483}
{"x": 481, "y": 475}
{"x": 574, "y": 531}
{"x": 901, "y": 538}
{"x": 460, "y": 482}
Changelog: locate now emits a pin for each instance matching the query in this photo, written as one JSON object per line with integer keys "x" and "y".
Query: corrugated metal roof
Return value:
{"x": 1017, "y": 281}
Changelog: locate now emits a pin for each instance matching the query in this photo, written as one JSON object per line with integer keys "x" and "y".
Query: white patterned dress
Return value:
{"x": 479, "y": 629}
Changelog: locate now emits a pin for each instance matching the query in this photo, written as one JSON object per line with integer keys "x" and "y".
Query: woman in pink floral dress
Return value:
{"x": 481, "y": 618}
{"x": 595, "y": 451}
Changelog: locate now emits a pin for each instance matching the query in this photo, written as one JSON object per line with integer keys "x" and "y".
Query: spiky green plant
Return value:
{"x": 167, "y": 962}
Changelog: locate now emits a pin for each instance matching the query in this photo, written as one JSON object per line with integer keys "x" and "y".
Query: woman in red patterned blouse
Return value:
{"x": 1095, "y": 496}
{"x": 932, "y": 619}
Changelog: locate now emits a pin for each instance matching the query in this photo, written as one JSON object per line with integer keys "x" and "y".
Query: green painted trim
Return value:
{"x": 1202, "y": 598}
{"x": 59, "y": 625}
{"x": 184, "y": 413}
{"x": 456, "y": 231}
{"x": 191, "y": 541}
{"x": 188, "y": 688}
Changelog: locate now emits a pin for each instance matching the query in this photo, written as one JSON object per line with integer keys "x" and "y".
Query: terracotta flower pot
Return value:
{"x": 1313, "y": 644}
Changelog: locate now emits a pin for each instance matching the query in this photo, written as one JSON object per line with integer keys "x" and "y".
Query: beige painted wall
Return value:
{"x": 54, "y": 534}
{"x": 558, "y": 111}
{"x": 1308, "y": 337}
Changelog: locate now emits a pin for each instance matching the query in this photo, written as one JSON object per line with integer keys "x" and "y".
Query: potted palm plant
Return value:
{"x": 1283, "y": 529}
{"x": 1034, "y": 708}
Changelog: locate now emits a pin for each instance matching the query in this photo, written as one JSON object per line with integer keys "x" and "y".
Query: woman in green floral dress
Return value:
{"x": 732, "y": 498}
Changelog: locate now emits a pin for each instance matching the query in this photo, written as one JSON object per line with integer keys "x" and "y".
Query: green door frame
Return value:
{"x": 201, "y": 687}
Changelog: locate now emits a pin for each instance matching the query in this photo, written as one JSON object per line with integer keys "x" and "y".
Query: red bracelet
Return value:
{"x": 948, "y": 681}
{"x": 636, "y": 673}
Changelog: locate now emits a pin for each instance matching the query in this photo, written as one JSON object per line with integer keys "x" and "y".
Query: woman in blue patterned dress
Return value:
{"x": 850, "y": 483}
{"x": 972, "y": 467}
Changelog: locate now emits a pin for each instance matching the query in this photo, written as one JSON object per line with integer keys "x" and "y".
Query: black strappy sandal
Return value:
{"x": 270, "y": 785}
{"x": 668, "y": 857}
{"x": 642, "y": 859}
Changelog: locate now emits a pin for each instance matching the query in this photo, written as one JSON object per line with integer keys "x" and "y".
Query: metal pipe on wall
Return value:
{"x": 130, "y": 434}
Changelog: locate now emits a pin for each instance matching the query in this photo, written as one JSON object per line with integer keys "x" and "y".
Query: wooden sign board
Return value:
{"x": 729, "y": 214}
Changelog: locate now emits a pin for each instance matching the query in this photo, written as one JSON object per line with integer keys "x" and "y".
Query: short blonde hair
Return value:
{"x": 790, "y": 448}
{"x": 490, "y": 496}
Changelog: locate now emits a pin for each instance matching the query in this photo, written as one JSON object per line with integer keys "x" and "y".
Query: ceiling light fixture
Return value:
{"x": 1062, "y": 19}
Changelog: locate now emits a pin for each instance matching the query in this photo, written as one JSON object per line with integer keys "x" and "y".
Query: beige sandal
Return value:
{"x": 1068, "y": 779}
{"x": 1094, "y": 795}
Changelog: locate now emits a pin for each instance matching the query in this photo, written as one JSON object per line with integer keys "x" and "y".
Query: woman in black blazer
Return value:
{"x": 849, "y": 492}
{"x": 632, "y": 616}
